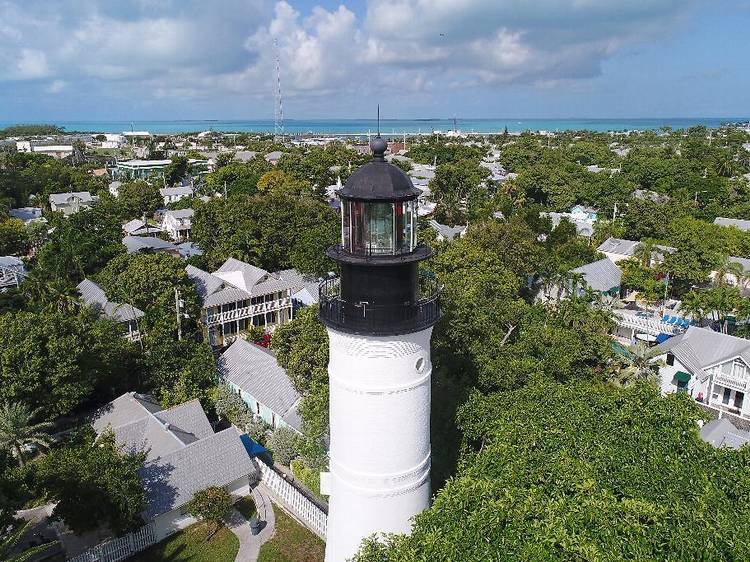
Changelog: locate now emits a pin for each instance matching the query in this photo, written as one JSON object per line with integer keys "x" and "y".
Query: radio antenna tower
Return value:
{"x": 278, "y": 113}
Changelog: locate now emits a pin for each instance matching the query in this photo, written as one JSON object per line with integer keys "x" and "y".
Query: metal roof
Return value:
{"x": 167, "y": 191}
{"x": 619, "y": 246}
{"x": 722, "y": 433}
{"x": 205, "y": 283}
{"x": 254, "y": 369}
{"x": 739, "y": 223}
{"x": 62, "y": 198}
{"x": 94, "y": 296}
{"x": 249, "y": 273}
{"x": 601, "y": 275}
{"x": 138, "y": 243}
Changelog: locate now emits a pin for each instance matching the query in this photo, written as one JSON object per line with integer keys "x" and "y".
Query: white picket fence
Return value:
{"x": 120, "y": 548}
{"x": 305, "y": 510}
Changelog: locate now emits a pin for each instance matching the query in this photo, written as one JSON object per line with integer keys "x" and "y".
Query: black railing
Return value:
{"x": 380, "y": 320}
{"x": 376, "y": 255}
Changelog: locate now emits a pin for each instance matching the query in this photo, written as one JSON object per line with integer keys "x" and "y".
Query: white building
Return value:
{"x": 71, "y": 202}
{"x": 583, "y": 218}
{"x": 617, "y": 249}
{"x": 711, "y": 367}
{"x": 183, "y": 455}
{"x": 174, "y": 194}
{"x": 239, "y": 295}
{"x": 743, "y": 225}
{"x": 177, "y": 224}
{"x": 140, "y": 169}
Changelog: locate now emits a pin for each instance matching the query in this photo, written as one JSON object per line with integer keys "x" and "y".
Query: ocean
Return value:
{"x": 389, "y": 126}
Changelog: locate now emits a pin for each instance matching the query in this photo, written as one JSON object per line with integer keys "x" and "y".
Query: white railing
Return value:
{"x": 651, "y": 326}
{"x": 306, "y": 511}
{"x": 10, "y": 277}
{"x": 134, "y": 336}
{"x": 120, "y": 548}
{"x": 735, "y": 383}
{"x": 247, "y": 311}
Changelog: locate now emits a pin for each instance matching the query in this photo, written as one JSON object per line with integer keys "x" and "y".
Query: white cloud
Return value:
{"x": 197, "y": 49}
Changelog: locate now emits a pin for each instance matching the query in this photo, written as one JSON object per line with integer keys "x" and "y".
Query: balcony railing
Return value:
{"x": 651, "y": 326}
{"x": 247, "y": 311}
{"x": 380, "y": 320}
{"x": 729, "y": 381}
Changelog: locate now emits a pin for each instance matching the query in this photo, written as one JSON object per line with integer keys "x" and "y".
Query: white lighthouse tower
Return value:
{"x": 379, "y": 315}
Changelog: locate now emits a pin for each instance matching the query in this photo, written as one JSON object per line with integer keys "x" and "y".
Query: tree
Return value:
{"x": 582, "y": 471}
{"x": 640, "y": 366}
{"x": 238, "y": 177}
{"x": 308, "y": 255}
{"x": 13, "y": 237}
{"x": 178, "y": 371}
{"x": 212, "y": 505}
{"x": 451, "y": 186}
{"x": 283, "y": 445}
{"x": 729, "y": 268}
{"x": 178, "y": 169}
{"x": 138, "y": 199}
{"x": 94, "y": 482}
{"x": 17, "y": 431}
{"x": 58, "y": 361}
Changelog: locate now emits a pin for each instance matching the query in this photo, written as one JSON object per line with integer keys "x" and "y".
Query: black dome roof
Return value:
{"x": 378, "y": 180}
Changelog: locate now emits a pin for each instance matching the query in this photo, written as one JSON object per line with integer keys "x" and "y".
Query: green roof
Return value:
{"x": 682, "y": 376}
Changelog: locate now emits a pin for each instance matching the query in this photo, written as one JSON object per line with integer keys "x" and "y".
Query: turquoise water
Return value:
{"x": 391, "y": 126}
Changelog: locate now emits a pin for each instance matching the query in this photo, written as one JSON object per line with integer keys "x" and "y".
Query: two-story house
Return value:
{"x": 712, "y": 367}
{"x": 174, "y": 194}
{"x": 177, "y": 224}
{"x": 238, "y": 296}
{"x": 71, "y": 202}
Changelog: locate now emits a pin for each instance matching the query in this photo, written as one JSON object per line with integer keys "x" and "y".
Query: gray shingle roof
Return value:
{"x": 184, "y": 455}
{"x": 169, "y": 191}
{"x": 255, "y": 370}
{"x": 171, "y": 480}
{"x": 225, "y": 296}
{"x": 619, "y": 246}
{"x": 205, "y": 283}
{"x": 181, "y": 213}
{"x": 739, "y": 223}
{"x": 251, "y": 275}
{"x": 93, "y": 295}
{"x": 722, "y": 433}
{"x": 699, "y": 348}
{"x": 601, "y": 275}
{"x": 299, "y": 282}
{"x": 62, "y": 198}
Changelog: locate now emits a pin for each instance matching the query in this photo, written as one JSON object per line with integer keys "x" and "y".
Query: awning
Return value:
{"x": 662, "y": 337}
{"x": 252, "y": 447}
{"x": 682, "y": 376}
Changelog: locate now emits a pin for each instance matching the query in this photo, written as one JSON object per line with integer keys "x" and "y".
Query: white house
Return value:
{"x": 12, "y": 271}
{"x": 617, "y": 249}
{"x": 174, "y": 194}
{"x": 71, "y": 202}
{"x": 239, "y": 295}
{"x": 583, "y": 218}
{"x": 177, "y": 224}
{"x": 126, "y": 314}
{"x": 253, "y": 372}
{"x": 183, "y": 455}
{"x": 712, "y": 367}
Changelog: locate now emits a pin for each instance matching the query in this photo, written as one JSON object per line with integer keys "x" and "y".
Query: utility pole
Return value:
{"x": 278, "y": 121}
{"x": 178, "y": 309}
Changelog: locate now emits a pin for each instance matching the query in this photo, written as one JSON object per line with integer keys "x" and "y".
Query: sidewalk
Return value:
{"x": 250, "y": 544}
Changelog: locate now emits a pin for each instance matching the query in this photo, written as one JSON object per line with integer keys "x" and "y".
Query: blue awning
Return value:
{"x": 253, "y": 448}
{"x": 662, "y": 337}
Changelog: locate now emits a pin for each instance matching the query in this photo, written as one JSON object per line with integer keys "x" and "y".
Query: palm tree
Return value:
{"x": 727, "y": 268}
{"x": 609, "y": 303}
{"x": 17, "y": 430}
{"x": 639, "y": 366}
{"x": 694, "y": 305}
{"x": 9, "y": 542}
{"x": 644, "y": 250}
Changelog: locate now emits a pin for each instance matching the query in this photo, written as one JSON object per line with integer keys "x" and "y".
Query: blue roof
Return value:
{"x": 662, "y": 337}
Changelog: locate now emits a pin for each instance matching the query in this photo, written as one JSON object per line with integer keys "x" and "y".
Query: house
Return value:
{"x": 274, "y": 157}
{"x": 177, "y": 224}
{"x": 722, "y": 433}
{"x": 583, "y": 218}
{"x": 239, "y": 295}
{"x": 139, "y": 169}
{"x": 135, "y": 244}
{"x": 712, "y": 367}
{"x": 743, "y": 225}
{"x": 602, "y": 277}
{"x": 174, "y": 194}
{"x": 28, "y": 215}
{"x": 183, "y": 455}
{"x": 12, "y": 271}
{"x": 126, "y": 314}
{"x": 71, "y": 202}
{"x": 617, "y": 249}
{"x": 139, "y": 227}
{"x": 445, "y": 232}
{"x": 253, "y": 372}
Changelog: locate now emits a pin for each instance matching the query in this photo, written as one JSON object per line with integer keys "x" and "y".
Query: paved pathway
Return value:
{"x": 250, "y": 544}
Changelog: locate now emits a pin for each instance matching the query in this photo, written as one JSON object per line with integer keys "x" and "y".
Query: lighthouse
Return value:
{"x": 379, "y": 316}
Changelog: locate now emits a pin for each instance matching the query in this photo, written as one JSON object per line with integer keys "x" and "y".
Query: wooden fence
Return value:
{"x": 120, "y": 548}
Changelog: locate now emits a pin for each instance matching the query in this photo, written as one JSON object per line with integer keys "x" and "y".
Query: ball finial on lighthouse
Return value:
{"x": 379, "y": 315}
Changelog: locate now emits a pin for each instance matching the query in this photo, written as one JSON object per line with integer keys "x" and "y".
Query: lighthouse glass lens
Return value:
{"x": 380, "y": 228}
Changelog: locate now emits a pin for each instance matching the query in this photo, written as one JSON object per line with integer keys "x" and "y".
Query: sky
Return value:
{"x": 198, "y": 59}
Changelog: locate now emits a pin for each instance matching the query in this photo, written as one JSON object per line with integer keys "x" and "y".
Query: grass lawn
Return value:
{"x": 291, "y": 542}
{"x": 246, "y": 506}
{"x": 190, "y": 545}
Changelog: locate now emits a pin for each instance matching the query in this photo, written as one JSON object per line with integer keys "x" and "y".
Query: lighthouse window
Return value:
{"x": 380, "y": 228}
